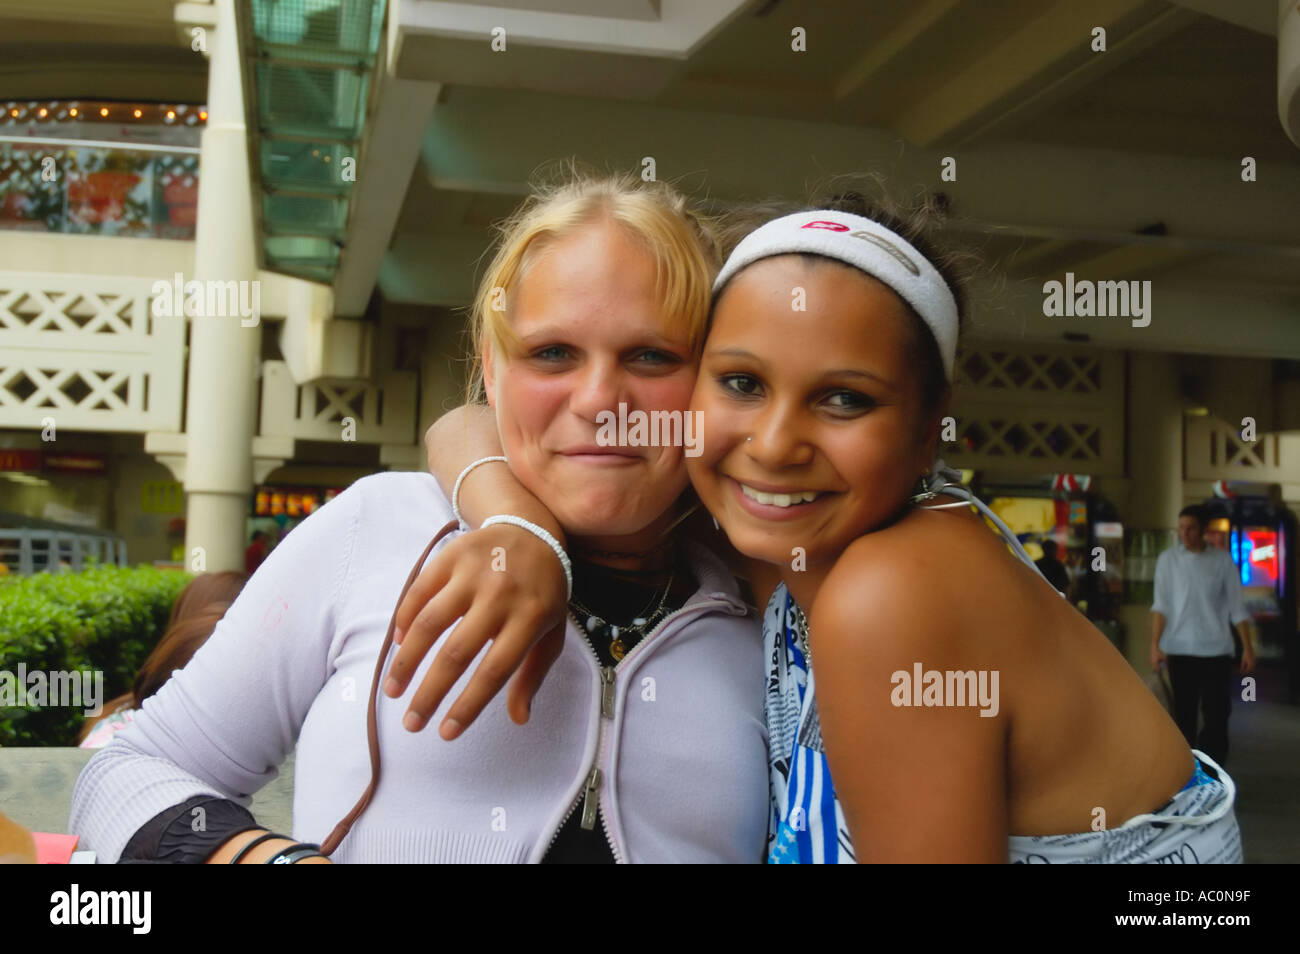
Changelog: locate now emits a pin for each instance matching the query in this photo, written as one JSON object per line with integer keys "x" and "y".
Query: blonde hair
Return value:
{"x": 679, "y": 239}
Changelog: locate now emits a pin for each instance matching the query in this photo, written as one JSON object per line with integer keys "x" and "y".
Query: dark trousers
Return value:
{"x": 1201, "y": 686}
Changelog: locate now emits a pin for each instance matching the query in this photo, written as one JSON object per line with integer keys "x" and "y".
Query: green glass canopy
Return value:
{"x": 308, "y": 81}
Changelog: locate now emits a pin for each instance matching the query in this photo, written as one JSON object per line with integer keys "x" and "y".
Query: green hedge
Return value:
{"x": 105, "y": 618}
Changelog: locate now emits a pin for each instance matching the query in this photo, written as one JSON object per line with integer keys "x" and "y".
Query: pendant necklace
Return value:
{"x": 620, "y": 636}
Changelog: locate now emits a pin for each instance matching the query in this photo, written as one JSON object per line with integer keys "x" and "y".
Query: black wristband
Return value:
{"x": 294, "y": 853}
{"x": 248, "y": 847}
{"x": 179, "y": 835}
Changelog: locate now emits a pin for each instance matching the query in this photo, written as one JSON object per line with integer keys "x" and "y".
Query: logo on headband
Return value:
{"x": 883, "y": 244}
{"x": 891, "y": 248}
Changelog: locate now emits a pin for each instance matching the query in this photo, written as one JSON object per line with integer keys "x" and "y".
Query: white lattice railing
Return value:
{"x": 382, "y": 413}
{"x": 25, "y": 550}
{"x": 1035, "y": 409}
{"x": 1215, "y": 450}
{"x": 86, "y": 352}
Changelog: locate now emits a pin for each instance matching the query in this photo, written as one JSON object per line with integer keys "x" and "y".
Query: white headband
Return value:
{"x": 867, "y": 246}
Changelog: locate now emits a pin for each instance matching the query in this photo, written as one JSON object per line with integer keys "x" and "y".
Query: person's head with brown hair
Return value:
{"x": 205, "y": 589}
{"x": 826, "y": 374}
{"x": 176, "y": 648}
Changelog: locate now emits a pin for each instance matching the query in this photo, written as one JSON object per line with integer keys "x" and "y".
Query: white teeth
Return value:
{"x": 779, "y": 500}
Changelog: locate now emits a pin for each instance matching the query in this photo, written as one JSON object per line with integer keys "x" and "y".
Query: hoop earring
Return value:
{"x": 934, "y": 482}
{"x": 924, "y": 492}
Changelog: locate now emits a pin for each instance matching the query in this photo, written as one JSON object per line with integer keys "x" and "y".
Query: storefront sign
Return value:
{"x": 76, "y": 463}
{"x": 291, "y": 501}
{"x": 68, "y": 462}
{"x": 20, "y": 459}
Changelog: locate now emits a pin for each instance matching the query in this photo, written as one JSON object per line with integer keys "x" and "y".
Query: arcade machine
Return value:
{"x": 1260, "y": 535}
{"x": 1064, "y": 509}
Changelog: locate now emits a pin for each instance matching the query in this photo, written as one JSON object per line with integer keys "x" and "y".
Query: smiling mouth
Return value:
{"x": 779, "y": 499}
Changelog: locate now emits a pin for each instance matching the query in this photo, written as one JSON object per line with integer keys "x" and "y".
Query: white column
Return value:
{"x": 1155, "y": 441}
{"x": 1154, "y": 427}
{"x": 224, "y": 353}
{"x": 1288, "y": 68}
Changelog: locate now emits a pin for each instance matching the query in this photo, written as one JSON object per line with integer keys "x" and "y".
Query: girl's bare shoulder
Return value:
{"x": 929, "y": 541}
{"x": 897, "y": 579}
{"x": 922, "y": 576}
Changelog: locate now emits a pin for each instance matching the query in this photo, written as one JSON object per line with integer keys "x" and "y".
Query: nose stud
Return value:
{"x": 748, "y": 439}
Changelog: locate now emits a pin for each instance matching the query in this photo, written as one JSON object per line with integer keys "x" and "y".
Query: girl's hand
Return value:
{"x": 507, "y": 588}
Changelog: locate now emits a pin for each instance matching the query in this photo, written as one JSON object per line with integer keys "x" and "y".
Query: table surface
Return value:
{"x": 36, "y": 788}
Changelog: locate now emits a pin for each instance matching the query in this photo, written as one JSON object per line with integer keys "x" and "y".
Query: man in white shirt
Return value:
{"x": 1198, "y": 594}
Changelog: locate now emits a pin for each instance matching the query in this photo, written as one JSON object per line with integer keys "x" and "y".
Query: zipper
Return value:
{"x": 607, "y": 677}
{"x": 590, "y": 798}
{"x": 607, "y": 692}
{"x": 589, "y": 795}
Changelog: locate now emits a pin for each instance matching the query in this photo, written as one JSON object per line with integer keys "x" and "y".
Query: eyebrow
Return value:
{"x": 838, "y": 372}
{"x": 557, "y": 332}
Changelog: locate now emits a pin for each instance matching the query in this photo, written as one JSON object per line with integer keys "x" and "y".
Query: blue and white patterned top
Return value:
{"x": 807, "y": 825}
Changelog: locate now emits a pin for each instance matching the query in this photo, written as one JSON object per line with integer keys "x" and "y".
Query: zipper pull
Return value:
{"x": 589, "y": 802}
{"x": 607, "y": 692}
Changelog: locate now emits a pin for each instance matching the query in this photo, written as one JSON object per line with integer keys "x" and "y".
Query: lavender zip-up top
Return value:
{"x": 681, "y": 746}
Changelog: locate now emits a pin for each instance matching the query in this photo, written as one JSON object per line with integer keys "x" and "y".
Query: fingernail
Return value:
{"x": 449, "y": 729}
{"x": 398, "y": 633}
{"x": 412, "y": 721}
{"x": 391, "y": 688}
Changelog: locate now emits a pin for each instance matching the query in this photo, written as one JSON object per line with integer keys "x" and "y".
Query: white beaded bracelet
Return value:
{"x": 455, "y": 490}
{"x": 541, "y": 534}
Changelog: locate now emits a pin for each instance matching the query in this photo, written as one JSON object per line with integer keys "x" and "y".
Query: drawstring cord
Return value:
{"x": 372, "y": 724}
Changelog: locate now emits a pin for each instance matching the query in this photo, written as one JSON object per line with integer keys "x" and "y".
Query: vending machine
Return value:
{"x": 1260, "y": 535}
{"x": 1088, "y": 534}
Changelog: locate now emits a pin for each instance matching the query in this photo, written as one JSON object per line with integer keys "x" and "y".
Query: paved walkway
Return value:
{"x": 1264, "y": 760}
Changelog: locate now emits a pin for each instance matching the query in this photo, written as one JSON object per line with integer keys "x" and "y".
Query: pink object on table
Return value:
{"x": 106, "y": 728}
{"x": 54, "y": 849}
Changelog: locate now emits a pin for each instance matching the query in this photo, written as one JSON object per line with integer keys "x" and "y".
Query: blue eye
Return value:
{"x": 551, "y": 353}
{"x": 656, "y": 357}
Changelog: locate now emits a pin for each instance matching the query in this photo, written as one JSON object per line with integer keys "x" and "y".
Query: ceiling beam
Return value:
{"x": 885, "y": 49}
{"x": 1257, "y": 15}
{"x": 494, "y": 141}
{"x": 1121, "y": 47}
{"x": 393, "y": 137}
{"x": 1050, "y": 49}
{"x": 681, "y": 27}
{"x": 1134, "y": 262}
{"x": 1184, "y": 319}
{"x": 136, "y": 13}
